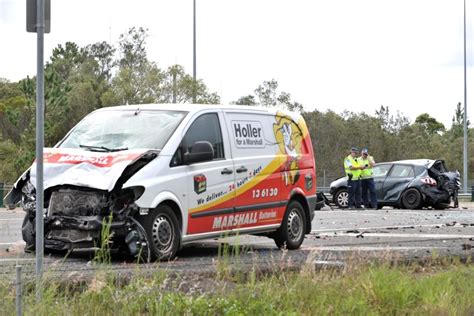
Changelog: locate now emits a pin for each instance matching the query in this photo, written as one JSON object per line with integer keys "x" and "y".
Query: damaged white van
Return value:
{"x": 161, "y": 176}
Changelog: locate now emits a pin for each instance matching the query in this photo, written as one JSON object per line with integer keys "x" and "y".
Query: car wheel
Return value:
{"x": 163, "y": 233}
{"x": 342, "y": 198}
{"x": 292, "y": 230}
{"x": 411, "y": 199}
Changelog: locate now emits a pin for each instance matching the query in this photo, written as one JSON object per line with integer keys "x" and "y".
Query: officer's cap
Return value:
{"x": 365, "y": 151}
{"x": 355, "y": 149}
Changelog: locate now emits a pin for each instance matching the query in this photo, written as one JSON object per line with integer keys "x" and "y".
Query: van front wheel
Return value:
{"x": 163, "y": 233}
{"x": 292, "y": 230}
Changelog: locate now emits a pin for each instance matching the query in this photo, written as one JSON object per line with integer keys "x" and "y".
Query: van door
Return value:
{"x": 257, "y": 170}
{"x": 208, "y": 185}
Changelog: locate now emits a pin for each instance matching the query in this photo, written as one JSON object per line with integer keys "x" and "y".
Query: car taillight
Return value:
{"x": 429, "y": 181}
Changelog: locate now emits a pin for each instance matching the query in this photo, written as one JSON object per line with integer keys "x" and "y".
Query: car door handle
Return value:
{"x": 241, "y": 169}
{"x": 226, "y": 171}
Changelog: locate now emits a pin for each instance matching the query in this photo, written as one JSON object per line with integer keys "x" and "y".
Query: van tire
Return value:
{"x": 28, "y": 233}
{"x": 163, "y": 232}
{"x": 291, "y": 233}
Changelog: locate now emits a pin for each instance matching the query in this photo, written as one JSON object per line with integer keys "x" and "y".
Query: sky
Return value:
{"x": 337, "y": 55}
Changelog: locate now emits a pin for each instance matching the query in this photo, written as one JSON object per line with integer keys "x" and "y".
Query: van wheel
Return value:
{"x": 411, "y": 199}
{"x": 28, "y": 233}
{"x": 163, "y": 233}
{"x": 292, "y": 230}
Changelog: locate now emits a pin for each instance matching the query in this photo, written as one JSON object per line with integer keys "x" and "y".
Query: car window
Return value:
{"x": 204, "y": 128}
{"x": 381, "y": 170}
{"x": 402, "y": 171}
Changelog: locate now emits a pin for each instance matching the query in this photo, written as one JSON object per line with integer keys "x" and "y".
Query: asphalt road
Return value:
{"x": 337, "y": 237}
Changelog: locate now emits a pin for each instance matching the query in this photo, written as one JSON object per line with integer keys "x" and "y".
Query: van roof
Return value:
{"x": 192, "y": 107}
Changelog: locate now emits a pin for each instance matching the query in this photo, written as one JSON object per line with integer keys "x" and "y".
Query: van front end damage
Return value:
{"x": 76, "y": 217}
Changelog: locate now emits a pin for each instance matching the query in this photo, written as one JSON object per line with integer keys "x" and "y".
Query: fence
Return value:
{"x": 324, "y": 179}
{"x": 4, "y": 189}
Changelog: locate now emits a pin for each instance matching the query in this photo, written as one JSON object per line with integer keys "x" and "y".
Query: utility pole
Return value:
{"x": 38, "y": 20}
{"x": 465, "y": 175}
{"x": 194, "y": 50}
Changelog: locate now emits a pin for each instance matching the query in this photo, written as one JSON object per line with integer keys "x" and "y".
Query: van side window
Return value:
{"x": 204, "y": 128}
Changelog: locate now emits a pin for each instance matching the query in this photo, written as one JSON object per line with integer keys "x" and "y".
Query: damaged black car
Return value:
{"x": 408, "y": 184}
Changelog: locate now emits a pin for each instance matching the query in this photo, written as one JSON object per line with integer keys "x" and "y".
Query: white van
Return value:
{"x": 161, "y": 176}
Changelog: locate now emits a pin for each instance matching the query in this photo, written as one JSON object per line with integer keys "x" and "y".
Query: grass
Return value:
{"x": 436, "y": 289}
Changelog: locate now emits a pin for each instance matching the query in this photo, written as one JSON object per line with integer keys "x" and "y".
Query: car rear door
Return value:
{"x": 380, "y": 172}
{"x": 397, "y": 180}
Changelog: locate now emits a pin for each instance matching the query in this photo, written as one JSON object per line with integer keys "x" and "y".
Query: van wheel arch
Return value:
{"x": 304, "y": 203}
{"x": 176, "y": 211}
{"x": 163, "y": 226}
{"x": 291, "y": 233}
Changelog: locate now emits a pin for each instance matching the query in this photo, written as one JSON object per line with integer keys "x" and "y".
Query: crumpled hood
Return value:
{"x": 71, "y": 166}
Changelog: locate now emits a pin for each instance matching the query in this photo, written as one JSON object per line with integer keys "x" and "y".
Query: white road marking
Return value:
{"x": 11, "y": 219}
{"x": 9, "y": 243}
{"x": 381, "y": 227}
{"x": 400, "y": 235}
{"x": 367, "y": 248}
{"x": 17, "y": 259}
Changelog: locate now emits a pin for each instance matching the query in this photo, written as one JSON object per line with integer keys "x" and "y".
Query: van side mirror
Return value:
{"x": 200, "y": 151}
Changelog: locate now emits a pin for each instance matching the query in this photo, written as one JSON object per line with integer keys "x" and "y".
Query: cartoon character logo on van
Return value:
{"x": 289, "y": 138}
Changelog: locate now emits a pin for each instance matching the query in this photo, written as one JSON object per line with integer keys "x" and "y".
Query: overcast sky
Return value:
{"x": 335, "y": 54}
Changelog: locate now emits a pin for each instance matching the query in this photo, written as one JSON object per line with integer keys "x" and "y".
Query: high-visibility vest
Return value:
{"x": 368, "y": 171}
{"x": 348, "y": 162}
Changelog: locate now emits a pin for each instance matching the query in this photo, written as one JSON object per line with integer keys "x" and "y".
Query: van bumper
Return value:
{"x": 312, "y": 205}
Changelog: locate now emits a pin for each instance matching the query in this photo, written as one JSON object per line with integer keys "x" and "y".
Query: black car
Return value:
{"x": 410, "y": 184}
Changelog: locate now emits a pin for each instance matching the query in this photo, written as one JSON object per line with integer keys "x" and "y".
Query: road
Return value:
{"x": 337, "y": 237}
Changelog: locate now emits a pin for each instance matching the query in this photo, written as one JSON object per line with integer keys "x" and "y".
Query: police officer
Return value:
{"x": 367, "y": 179}
{"x": 353, "y": 169}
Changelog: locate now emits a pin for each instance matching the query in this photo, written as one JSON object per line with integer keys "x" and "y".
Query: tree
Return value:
{"x": 245, "y": 100}
{"x": 268, "y": 96}
{"x": 390, "y": 123}
{"x": 180, "y": 87}
{"x": 429, "y": 124}
{"x": 65, "y": 61}
{"x": 138, "y": 80}
{"x": 457, "y": 126}
{"x": 102, "y": 54}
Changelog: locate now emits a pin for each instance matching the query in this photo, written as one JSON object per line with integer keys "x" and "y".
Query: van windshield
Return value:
{"x": 123, "y": 129}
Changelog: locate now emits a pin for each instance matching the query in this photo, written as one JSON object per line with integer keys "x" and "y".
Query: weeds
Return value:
{"x": 374, "y": 289}
{"x": 102, "y": 254}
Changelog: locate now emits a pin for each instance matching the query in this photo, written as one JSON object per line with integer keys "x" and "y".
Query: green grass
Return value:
{"x": 441, "y": 289}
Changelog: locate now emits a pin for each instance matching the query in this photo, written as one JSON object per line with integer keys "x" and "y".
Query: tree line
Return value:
{"x": 79, "y": 80}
